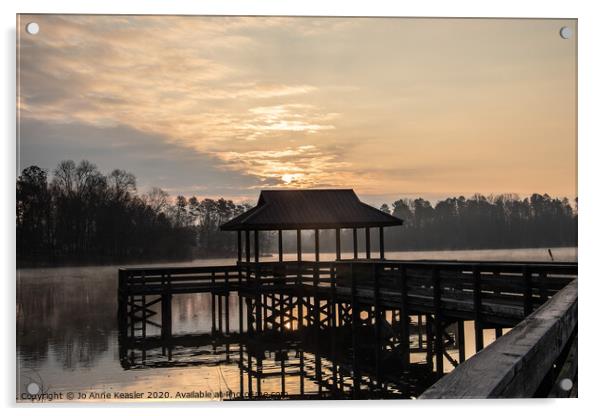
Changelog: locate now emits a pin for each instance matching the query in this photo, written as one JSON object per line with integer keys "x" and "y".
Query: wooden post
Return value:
{"x": 338, "y": 243}
{"x": 166, "y": 308}
{"x": 317, "y": 244}
{"x": 367, "y": 242}
{"x": 247, "y": 246}
{"x": 354, "y": 333}
{"x": 280, "y": 245}
{"x": 461, "y": 342}
{"x": 282, "y": 372}
{"x": 429, "y": 340}
{"x": 282, "y": 310}
{"x": 256, "y": 245}
{"x": 239, "y": 245}
{"x": 378, "y": 322}
{"x": 240, "y": 312}
{"x": 355, "y": 243}
{"x": 420, "y": 330}
{"x": 299, "y": 283}
{"x": 528, "y": 292}
{"x": 299, "y": 255}
{"x": 241, "y": 364}
{"x": 258, "y": 299}
{"x": 219, "y": 313}
{"x": 227, "y": 303}
{"x": 250, "y": 371}
{"x": 478, "y": 326}
{"x": 381, "y": 236}
{"x": 333, "y": 325}
{"x": 301, "y": 371}
{"x": 404, "y": 319}
{"x": 213, "y": 326}
{"x": 438, "y": 322}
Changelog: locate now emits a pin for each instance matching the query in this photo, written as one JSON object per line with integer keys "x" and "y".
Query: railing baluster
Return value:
{"x": 476, "y": 290}
{"x": 438, "y": 322}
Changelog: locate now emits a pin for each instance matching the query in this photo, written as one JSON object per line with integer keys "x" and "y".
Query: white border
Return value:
{"x": 590, "y": 207}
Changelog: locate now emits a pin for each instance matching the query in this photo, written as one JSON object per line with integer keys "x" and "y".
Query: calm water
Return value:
{"x": 68, "y": 341}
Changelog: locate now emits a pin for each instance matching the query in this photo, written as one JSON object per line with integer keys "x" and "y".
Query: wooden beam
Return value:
{"x": 317, "y": 244}
{"x": 367, "y": 242}
{"x": 515, "y": 365}
{"x": 299, "y": 257}
{"x": 280, "y": 255}
{"x": 239, "y": 244}
{"x": 381, "y": 245}
{"x": 355, "y": 243}
{"x": 338, "y": 243}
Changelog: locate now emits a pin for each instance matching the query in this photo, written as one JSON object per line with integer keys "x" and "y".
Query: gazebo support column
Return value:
{"x": 298, "y": 245}
{"x": 317, "y": 243}
{"x": 239, "y": 245}
{"x": 355, "y": 243}
{"x": 279, "y": 245}
{"x": 381, "y": 236}
{"x": 256, "y": 245}
{"x": 367, "y": 242}
{"x": 338, "y": 243}
{"x": 247, "y": 246}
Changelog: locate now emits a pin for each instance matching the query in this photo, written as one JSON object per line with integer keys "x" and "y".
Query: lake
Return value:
{"x": 68, "y": 340}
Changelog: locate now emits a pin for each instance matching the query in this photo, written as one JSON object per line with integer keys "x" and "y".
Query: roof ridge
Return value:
{"x": 309, "y": 190}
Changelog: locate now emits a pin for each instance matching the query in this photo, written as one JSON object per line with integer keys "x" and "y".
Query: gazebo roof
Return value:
{"x": 310, "y": 209}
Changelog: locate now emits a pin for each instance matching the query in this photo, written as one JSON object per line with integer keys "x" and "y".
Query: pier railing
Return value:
{"x": 533, "y": 359}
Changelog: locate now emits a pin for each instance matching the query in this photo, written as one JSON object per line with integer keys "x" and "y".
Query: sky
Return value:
{"x": 228, "y": 106}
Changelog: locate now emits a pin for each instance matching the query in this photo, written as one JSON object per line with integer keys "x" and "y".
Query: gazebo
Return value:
{"x": 316, "y": 209}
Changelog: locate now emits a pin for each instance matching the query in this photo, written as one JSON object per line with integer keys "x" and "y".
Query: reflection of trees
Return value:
{"x": 71, "y": 319}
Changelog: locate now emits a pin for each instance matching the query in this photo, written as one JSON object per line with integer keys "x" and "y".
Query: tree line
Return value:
{"x": 480, "y": 222}
{"x": 82, "y": 215}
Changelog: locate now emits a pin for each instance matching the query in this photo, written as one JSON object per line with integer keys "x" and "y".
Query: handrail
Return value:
{"x": 516, "y": 364}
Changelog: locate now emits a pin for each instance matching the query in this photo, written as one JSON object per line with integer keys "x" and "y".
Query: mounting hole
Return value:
{"x": 33, "y": 388}
{"x": 566, "y": 32}
{"x": 566, "y": 384}
{"x": 32, "y": 28}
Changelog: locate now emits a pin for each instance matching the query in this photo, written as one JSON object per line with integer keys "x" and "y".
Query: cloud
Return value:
{"x": 310, "y": 102}
{"x": 150, "y": 157}
{"x": 165, "y": 77}
{"x": 299, "y": 167}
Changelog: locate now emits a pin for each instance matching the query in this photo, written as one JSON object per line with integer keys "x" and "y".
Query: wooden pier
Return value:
{"x": 379, "y": 300}
{"x": 364, "y": 318}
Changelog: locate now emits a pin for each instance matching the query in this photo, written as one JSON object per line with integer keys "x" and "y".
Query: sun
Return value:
{"x": 287, "y": 178}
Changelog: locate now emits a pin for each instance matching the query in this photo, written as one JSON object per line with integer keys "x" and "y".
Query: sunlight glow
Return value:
{"x": 287, "y": 178}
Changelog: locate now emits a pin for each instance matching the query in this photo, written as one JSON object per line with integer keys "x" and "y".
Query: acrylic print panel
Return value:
{"x": 243, "y": 208}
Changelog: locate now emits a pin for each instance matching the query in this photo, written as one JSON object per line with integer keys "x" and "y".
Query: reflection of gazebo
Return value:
{"x": 309, "y": 210}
